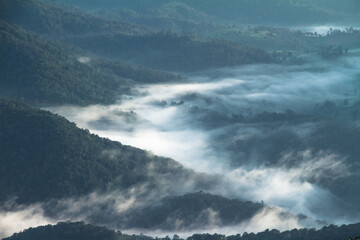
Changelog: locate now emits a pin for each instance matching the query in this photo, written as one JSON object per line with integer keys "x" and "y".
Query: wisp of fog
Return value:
{"x": 201, "y": 123}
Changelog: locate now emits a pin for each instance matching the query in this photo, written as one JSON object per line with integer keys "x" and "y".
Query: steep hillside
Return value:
{"x": 38, "y": 71}
{"x": 44, "y": 156}
{"x": 170, "y": 51}
{"x": 44, "y": 18}
{"x": 79, "y": 230}
{"x": 231, "y": 11}
{"x": 193, "y": 211}
{"x": 121, "y": 41}
{"x": 68, "y": 231}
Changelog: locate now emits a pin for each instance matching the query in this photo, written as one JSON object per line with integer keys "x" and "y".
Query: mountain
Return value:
{"x": 117, "y": 40}
{"x": 232, "y": 11}
{"x": 44, "y": 156}
{"x": 68, "y": 231}
{"x": 193, "y": 211}
{"x": 43, "y": 72}
{"x": 47, "y": 159}
{"x": 80, "y": 230}
{"x": 36, "y": 71}
{"x": 171, "y": 51}
{"x": 44, "y": 18}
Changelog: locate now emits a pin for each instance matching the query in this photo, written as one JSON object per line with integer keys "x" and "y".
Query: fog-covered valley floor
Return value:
{"x": 281, "y": 134}
{"x": 179, "y": 117}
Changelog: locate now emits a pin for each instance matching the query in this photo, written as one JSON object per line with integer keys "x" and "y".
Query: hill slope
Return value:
{"x": 238, "y": 12}
{"x": 79, "y": 230}
{"x": 44, "y": 156}
{"x": 170, "y": 51}
{"x": 193, "y": 211}
{"x": 44, "y": 18}
{"x": 38, "y": 71}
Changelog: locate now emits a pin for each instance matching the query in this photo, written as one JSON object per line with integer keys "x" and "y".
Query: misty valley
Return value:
{"x": 169, "y": 119}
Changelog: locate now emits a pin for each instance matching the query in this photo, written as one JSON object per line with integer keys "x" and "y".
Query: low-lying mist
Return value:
{"x": 267, "y": 132}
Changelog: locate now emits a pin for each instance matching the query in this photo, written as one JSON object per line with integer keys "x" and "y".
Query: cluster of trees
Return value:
{"x": 82, "y": 231}
{"x": 332, "y": 52}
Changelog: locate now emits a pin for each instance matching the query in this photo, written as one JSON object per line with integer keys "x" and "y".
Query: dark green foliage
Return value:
{"x": 237, "y": 11}
{"x": 170, "y": 51}
{"x": 162, "y": 50}
{"x": 37, "y": 71}
{"x": 331, "y": 232}
{"x": 67, "y": 231}
{"x": 44, "y": 156}
{"x": 80, "y": 231}
{"x": 135, "y": 73}
{"x": 280, "y": 38}
{"x": 194, "y": 210}
{"x": 44, "y": 18}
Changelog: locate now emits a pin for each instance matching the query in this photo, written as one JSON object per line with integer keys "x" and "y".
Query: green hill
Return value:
{"x": 68, "y": 231}
{"x": 44, "y": 156}
{"x": 121, "y": 41}
{"x": 44, "y": 18}
{"x": 38, "y": 71}
{"x": 235, "y": 11}
{"x": 192, "y": 211}
{"x": 171, "y": 51}
{"x": 80, "y": 231}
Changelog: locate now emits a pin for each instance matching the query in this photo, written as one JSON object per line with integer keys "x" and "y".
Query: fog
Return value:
{"x": 215, "y": 124}
{"x": 322, "y": 29}
{"x": 18, "y": 218}
{"x": 195, "y": 123}
{"x": 181, "y": 120}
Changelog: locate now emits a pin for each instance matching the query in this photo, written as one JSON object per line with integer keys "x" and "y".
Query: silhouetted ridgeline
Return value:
{"x": 82, "y": 231}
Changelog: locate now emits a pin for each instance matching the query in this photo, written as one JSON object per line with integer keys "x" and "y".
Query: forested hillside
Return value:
{"x": 38, "y": 71}
{"x": 231, "y": 11}
{"x": 171, "y": 51}
{"x": 191, "y": 211}
{"x": 160, "y": 50}
{"x": 44, "y": 156}
{"x": 80, "y": 230}
{"x": 44, "y": 18}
